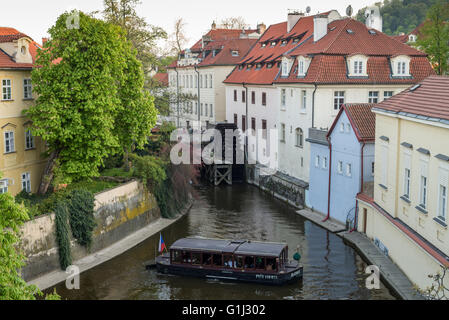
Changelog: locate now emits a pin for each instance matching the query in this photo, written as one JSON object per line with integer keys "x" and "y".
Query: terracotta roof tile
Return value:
{"x": 162, "y": 77}
{"x": 9, "y": 35}
{"x": 362, "y": 119}
{"x": 429, "y": 100}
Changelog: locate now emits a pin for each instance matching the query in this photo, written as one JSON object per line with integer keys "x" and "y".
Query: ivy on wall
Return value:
{"x": 75, "y": 213}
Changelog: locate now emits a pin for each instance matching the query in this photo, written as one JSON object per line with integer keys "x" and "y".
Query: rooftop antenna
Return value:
{"x": 349, "y": 11}
{"x": 308, "y": 9}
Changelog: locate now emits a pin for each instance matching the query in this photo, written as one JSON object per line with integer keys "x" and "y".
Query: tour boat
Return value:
{"x": 242, "y": 260}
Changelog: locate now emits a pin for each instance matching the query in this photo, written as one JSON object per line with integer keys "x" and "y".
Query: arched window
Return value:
{"x": 299, "y": 137}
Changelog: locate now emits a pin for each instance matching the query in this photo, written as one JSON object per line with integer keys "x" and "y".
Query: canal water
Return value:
{"x": 332, "y": 270}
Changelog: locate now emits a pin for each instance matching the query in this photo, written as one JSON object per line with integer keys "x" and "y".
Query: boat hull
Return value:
{"x": 277, "y": 279}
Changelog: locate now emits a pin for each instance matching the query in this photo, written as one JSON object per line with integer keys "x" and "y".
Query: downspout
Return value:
{"x": 313, "y": 106}
{"x": 361, "y": 190}
{"x": 330, "y": 180}
{"x": 246, "y": 124}
{"x": 199, "y": 104}
{"x": 177, "y": 93}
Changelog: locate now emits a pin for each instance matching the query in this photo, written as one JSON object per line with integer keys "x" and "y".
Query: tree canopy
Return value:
{"x": 91, "y": 102}
{"x": 400, "y": 16}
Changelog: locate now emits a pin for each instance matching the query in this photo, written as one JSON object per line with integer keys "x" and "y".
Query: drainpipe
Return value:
{"x": 199, "y": 104}
{"x": 361, "y": 189}
{"x": 246, "y": 125}
{"x": 313, "y": 106}
{"x": 330, "y": 180}
{"x": 177, "y": 93}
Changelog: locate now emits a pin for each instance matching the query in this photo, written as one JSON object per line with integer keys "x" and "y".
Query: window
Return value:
{"x": 348, "y": 128}
{"x": 6, "y": 89}
{"x": 206, "y": 107}
{"x": 349, "y": 170}
{"x": 210, "y": 81}
{"x": 340, "y": 167}
{"x": 235, "y": 118}
{"x": 235, "y": 95}
{"x": 27, "y": 89}
{"x": 442, "y": 203}
{"x": 388, "y": 95}
{"x": 339, "y": 99}
{"x": 253, "y": 125}
{"x": 325, "y": 163}
{"x": 299, "y": 137}
{"x": 282, "y": 132}
{"x": 9, "y": 142}
{"x": 317, "y": 161}
{"x": 201, "y": 85}
{"x": 304, "y": 99}
{"x": 407, "y": 183}
{"x": 3, "y": 186}
{"x": 342, "y": 127}
{"x": 264, "y": 98}
{"x": 26, "y": 182}
{"x": 373, "y": 97}
{"x": 243, "y": 123}
{"x": 211, "y": 110}
{"x": 301, "y": 68}
{"x": 253, "y": 97}
{"x": 284, "y": 69}
{"x": 196, "y": 107}
{"x": 264, "y": 129}
{"x": 372, "y": 168}
{"x": 196, "y": 81}
{"x": 235, "y": 53}
{"x": 283, "y": 97}
{"x": 29, "y": 140}
{"x": 358, "y": 67}
{"x": 401, "y": 68}
{"x": 243, "y": 96}
{"x": 384, "y": 165}
{"x": 423, "y": 194}
{"x": 201, "y": 109}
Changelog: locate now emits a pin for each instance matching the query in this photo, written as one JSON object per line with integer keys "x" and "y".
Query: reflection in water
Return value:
{"x": 332, "y": 270}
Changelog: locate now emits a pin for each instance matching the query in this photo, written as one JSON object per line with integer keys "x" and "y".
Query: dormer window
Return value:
{"x": 303, "y": 65}
{"x": 284, "y": 42}
{"x": 400, "y": 66}
{"x": 296, "y": 40}
{"x": 264, "y": 45}
{"x": 269, "y": 65}
{"x": 235, "y": 53}
{"x": 258, "y": 66}
{"x": 284, "y": 68}
{"x": 273, "y": 43}
{"x": 357, "y": 66}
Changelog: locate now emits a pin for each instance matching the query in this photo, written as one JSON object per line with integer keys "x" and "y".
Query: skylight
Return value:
{"x": 373, "y": 32}
{"x": 415, "y": 87}
{"x": 350, "y": 31}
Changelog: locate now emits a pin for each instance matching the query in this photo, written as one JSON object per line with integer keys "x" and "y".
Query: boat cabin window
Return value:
{"x": 186, "y": 257}
{"x": 271, "y": 264}
{"x": 176, "y": 256}
{"x": 249, "y": 262}
{"x": 207, "y": 259}
{"x": 217, "y": 260}
{"x": 227, "y": 261}
{"x": 196, "y": 258}
{"x": 260, "y": 263}
{"x": 239, "y": 262}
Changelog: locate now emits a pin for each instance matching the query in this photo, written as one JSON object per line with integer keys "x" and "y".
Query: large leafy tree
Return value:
{"x": 91, "y": 102}
{"x": 434, "y": 36}
{"x": 12, "y": 286}
{"x": 142, "y": 34}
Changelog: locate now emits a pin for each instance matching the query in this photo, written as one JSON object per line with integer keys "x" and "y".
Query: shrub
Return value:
{"x": 62, "y": 234}
{"x": 82, "y": 221}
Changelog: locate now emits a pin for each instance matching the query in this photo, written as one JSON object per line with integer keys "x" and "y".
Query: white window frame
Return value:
{"x": 283, "y": 97}
{"x": 358, "y": 67}
{"x": 304, "y": 100}
{"x": 6, "y": 89}
{"x": 317, "y": 161}
{"x": 407, "y": 179}
{"x": 4, "y": 183}
{"x": 26, "y": 182}
{"x": 324, "y": 162}
{"x": 9, "y": 141}
{"x": 29, "y": 139}
{"x": 27, "y": 89}
{"x": 373, "y": 97}
{"x": 299, "y": 137}
{"x": 340, "y": 167}
{"x": 424, "y": 189}
{"x": 387, "y": 94}
{"x": 339, "y": 99}
{"x": 349, "y": 169}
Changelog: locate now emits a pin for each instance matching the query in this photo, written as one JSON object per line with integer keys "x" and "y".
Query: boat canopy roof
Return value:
{"x": 243, "y": 247}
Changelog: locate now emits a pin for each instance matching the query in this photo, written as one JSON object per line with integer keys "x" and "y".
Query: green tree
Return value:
{"x": 142, "y": 35}
{"x": 12, "y": 286}
{"x": 90, "y": 101}
{"x": 434, "y": 37}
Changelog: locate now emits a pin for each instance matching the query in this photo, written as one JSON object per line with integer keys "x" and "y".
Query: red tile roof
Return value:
{"x": 362, "y": 119}
{"x": 162, "y": 78}
{"x": 329, "y": 54}
{"x": 10, "y": 35}
{"x": 430, "y": 100}
{"x": 220, "y": 34}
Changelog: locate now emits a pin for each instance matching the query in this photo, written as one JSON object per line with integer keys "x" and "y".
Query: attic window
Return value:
{"x": 273, "y": 43}
{"x": 264, "y": 45}
{"x": 415, "y": 87}
{"x": 296, "y": 40}
{"x": 240, "y": 67}
{"x": 284, "y": 42}
{"x": 235, "y": 53}
{"x": 270, "y": 65}
{"x": 250, "y": 66}
{"x": 23, "y": 49}
{"x": 258, "y": 66}
{"x": 373, "y": 32}
{"x": 350, "y": 31}
{"x": 333, "y": 28}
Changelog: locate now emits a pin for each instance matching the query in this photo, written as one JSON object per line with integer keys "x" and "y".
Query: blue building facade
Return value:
{"x": 346, "y": 162}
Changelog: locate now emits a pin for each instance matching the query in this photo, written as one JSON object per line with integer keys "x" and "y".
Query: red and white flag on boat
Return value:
{"x": 162, "y": 246}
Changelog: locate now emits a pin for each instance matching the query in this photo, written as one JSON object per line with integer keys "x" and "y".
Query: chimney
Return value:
{"x": 261, "y": 28}
{"x": 374, "y": 18}
{"x": 292, "y": 19}
{"x": 319, "y": 27}
{"x": 214, "y": 25}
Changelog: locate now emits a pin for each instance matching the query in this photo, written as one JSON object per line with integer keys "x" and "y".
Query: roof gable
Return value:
{"x": 362, "y": 119}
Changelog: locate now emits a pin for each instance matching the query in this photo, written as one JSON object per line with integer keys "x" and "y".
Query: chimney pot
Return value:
{"x": 320, "y": 23}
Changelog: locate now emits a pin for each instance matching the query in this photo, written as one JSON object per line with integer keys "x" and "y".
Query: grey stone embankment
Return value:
{"x": 125, "y": 216}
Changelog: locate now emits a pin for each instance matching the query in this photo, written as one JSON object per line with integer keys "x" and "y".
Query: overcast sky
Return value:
{"x": 35, "y": 17}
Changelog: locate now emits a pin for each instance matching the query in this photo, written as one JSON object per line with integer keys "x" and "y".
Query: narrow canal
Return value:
{"x": 332, "y": 270}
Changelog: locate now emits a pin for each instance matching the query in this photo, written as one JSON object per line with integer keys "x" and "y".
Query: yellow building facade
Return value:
{"x": 407, "y": 218}
{"x": 21, "y": 155}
